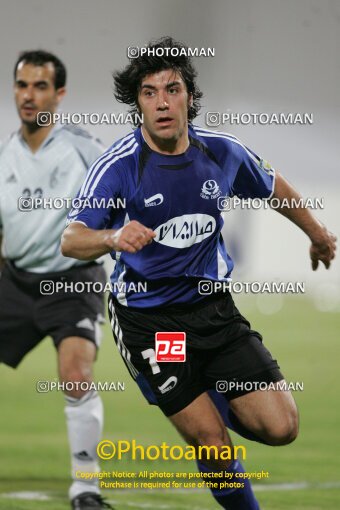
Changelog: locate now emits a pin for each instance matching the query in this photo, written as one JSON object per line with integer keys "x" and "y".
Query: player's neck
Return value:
{"x": 167, "y": 147}
{"x": 35, "y": 136}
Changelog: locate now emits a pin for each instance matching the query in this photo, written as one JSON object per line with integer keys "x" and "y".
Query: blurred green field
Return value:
{"x": 33, "y": 445}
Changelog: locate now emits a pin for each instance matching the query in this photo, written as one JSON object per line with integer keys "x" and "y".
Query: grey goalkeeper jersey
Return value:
{"x": 36, "y": 192}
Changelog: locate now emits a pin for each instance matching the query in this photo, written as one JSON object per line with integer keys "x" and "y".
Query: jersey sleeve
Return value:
{"x": 94, "y": 205}
{"x": 254, "y": 177}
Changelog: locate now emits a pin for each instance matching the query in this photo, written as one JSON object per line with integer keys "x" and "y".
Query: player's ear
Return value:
{"x": 139, "y": 110}
{"x": 60, "y": 94}
{"x": 190, "y": 100}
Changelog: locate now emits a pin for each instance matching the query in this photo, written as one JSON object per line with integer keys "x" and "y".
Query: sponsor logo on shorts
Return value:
{"x": 184, "y": 231}
{"x": 170, "y": 346}
{"x": 168, "y": 385}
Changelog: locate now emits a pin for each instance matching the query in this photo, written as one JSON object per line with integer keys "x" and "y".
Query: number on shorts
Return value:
{"x": 151, "y": 356}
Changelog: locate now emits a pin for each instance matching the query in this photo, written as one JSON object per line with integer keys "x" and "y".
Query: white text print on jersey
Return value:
{"x": 184, "y": 231}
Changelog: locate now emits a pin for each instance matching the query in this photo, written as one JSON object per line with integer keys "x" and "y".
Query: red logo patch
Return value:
{"x": 170, "y": 346}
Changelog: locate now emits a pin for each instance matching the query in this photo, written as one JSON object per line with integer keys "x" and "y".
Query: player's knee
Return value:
{"x": 76, "y": 380}
{"x": 209, "y": 447}
{"x": 284, "y": 431}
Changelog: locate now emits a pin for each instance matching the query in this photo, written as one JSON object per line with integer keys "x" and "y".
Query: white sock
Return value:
{"x": 84, "y": 417}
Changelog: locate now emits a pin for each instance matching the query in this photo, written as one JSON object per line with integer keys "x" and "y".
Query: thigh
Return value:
{"x": 19, "y": 332}
{"x": 265, "y": 412}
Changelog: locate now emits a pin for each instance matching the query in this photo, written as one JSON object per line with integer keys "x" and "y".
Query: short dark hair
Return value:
{"x": 40, "y": 58}
{"x": 128, "y": 81}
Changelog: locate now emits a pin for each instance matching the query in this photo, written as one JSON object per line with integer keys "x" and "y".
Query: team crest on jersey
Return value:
{"x": 210, "y": 189}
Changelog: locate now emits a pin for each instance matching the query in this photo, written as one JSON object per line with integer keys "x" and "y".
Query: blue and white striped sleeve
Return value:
{"x": 94, "y": 205}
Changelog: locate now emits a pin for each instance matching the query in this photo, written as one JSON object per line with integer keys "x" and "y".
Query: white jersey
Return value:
{"x": 50, "y": 177}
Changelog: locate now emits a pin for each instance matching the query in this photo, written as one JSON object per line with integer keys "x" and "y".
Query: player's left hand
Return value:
{"x": 323, "y": 249}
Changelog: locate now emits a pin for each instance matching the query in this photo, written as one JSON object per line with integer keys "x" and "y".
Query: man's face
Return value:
{"x": 35, "y": 92}
{"x": 163, "y": 100}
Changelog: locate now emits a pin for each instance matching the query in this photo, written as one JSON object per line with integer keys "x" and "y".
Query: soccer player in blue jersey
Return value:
{"x": 171, "y": 174}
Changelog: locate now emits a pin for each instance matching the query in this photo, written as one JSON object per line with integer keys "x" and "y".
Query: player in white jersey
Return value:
{"x": 37, "y": 163}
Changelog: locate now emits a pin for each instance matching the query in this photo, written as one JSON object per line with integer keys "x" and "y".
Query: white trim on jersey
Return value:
{"x": 107, "y": 166}
{"x": 121, "y": 296}
{"x": 68, "y": 222}
{"x": 198, "y": 128}
{"x": 232, "y": 138}
{"x": 222, "y": 267}
{"x": 273, "y": 190}
{"x": 105, "y": 157}
{"x": 117, "y": 331}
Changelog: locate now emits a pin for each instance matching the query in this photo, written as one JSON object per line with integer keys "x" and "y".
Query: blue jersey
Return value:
{"x": 177, "y": 197}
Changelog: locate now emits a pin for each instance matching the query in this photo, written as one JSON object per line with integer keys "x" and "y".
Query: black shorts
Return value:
{"x": 220, "y": 346}
{"x": 27, "y": 316}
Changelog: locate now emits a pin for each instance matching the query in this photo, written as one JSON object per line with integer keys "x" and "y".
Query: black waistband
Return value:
{"x": 177, "y": 308}
{"x": 22, "y": 274}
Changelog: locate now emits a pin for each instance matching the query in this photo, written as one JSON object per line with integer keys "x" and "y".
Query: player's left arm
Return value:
{"x": 323, "y": 242}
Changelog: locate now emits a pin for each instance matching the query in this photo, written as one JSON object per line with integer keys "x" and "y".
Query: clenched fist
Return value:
{"x": 132, "y": 237}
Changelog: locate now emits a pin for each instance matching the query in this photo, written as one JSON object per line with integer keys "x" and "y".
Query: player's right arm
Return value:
{"x": 84, "y": 243}
{"x": 89, "y": 234}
